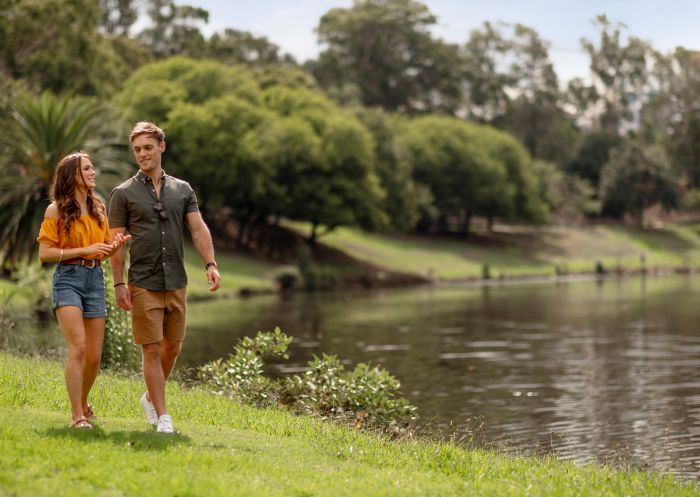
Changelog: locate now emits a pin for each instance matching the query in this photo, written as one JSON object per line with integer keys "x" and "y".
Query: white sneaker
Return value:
{"x": 165, "y": 424}
{"x": 149, "y": 409}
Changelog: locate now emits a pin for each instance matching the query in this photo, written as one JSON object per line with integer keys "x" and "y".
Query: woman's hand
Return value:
{"x": 118, "y": 241}
{"x": 98, "y": 249}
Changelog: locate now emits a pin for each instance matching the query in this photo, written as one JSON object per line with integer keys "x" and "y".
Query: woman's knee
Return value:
{"x": 92, "y": 359}
{"x": 77, "y": 351}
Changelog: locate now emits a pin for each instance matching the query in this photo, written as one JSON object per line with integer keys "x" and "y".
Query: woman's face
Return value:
{"x": 85, "y": 174}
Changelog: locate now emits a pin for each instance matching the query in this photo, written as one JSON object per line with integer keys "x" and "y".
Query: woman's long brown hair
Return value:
{"x": 63, "y": 192}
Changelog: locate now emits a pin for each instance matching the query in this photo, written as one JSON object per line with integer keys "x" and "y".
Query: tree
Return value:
{"x": 527, "y": 204}
{"x": 591, "y": 156}
{"x": 565, "y": 194}
{"x": 670, "y": 115}
{"x": 535, "y": 116}
{"x": 54, "y": 45}
{"x": 636, "y": 177}
{"x": 118, "y": 16}
{"x": 340, "y": 187}
{"x": 404, "y": 200}
{"x": 448, "y": 157}
{"x": 385, "y": 49}
{"x": 157, "y": 88}
{"x": 620, "y": 71}
{"x": 485, "y": 79}
{"x": 241, "y": 47}
{"x": 44, "y": 131}
{"x": 175, "y": 29}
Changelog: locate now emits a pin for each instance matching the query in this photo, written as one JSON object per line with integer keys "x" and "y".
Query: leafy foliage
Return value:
{"x": 43, "y": 131}
{"x": 118, "y": 349}
{"x": 366, "y": 397}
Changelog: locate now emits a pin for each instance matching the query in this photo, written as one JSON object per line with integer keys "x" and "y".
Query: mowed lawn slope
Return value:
{"x": 521, "y": 251}
{"x": 224, "y": 449}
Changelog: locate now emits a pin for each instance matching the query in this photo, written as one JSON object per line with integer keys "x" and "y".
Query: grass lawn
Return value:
{"x": 520, "y": 251}
{"x": 238, "y": 272}
{"x": 224, "y": 449}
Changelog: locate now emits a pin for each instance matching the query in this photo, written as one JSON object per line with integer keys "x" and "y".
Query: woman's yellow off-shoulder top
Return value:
{"x": 84, "y": 231}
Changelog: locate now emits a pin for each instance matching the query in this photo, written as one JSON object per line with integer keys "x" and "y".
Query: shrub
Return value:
{"x": 241, "y": 376}
{"x": 366, "y": 397}
{"x": 118, "y": 351}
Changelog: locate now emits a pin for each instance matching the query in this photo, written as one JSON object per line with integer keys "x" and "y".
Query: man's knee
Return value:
{"x": 151, "y": 351}
{"x": 171, "y": 348}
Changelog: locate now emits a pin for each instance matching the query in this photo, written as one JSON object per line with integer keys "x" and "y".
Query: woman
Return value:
{"x": 75, "y": 234}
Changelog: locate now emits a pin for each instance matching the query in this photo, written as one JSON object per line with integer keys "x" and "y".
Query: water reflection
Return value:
{"x": 605, "y": 370}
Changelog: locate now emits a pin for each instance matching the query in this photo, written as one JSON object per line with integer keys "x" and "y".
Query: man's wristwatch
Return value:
{"x": 212, "y": 263}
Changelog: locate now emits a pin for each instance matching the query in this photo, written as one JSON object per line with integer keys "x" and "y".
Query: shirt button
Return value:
{"x": 162, "y": 232}
{"x": 164, "y": 263}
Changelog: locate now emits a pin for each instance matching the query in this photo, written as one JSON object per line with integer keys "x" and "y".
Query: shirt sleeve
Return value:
{"x": 191, "y": 204}
{"x": 48, "y": 234}
{"x": 118, "y": 214}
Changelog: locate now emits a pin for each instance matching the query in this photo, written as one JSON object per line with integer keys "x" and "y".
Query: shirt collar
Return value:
{"x": 143, "y": 177}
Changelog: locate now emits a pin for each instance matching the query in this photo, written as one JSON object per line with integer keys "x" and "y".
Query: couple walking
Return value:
{"x": 150, "y": 209}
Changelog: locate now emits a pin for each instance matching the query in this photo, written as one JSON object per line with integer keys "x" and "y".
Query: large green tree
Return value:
{"x": 55, "y": 45}
{"x": 385, "y": 49}
{"x": 636, "y": 177}
{"x": 620, "y": 69}
{"x": 465, "y": 181}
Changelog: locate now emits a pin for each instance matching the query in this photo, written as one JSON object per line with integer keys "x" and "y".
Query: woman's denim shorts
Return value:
{"x": 81, "y": 287}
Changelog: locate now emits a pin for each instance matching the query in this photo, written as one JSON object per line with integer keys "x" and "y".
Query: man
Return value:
{"x": 153, "y": 207}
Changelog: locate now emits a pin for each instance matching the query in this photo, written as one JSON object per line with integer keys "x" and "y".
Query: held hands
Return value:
{"x": 213, "y": 278}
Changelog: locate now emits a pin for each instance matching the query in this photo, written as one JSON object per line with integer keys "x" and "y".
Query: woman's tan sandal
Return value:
{"x": 89, "y": 414}
{"x": 81, "y": 423}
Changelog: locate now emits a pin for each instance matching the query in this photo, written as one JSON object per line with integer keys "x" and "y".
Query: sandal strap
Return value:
{"x": 79, "y": 420}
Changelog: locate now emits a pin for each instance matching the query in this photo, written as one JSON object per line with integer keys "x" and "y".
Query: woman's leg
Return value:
{"x": 70, "y": 320}
{"x": 94, "y": 337}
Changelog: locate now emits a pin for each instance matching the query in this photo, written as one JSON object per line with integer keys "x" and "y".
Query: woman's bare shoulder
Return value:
{"x": 51, "y": 211}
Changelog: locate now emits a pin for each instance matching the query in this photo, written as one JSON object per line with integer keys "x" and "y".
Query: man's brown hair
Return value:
{"x": 147, "y": 128}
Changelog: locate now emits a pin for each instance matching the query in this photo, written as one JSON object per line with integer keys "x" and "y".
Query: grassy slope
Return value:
{"x": 222, "y": 448}
{"x": 521, "y": 251}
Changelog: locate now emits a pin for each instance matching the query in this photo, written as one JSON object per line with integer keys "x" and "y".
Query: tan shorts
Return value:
{"x": 155, "y": 315}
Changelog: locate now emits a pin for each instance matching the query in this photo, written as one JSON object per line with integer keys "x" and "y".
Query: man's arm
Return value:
{"x": 117, "y": 263}
{"x": 201, "y": 238}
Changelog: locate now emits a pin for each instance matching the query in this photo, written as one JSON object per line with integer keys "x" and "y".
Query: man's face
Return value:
{"x": 147, "y": 151}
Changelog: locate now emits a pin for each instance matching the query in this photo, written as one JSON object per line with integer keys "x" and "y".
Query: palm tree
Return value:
{"x": 45, "y": 130}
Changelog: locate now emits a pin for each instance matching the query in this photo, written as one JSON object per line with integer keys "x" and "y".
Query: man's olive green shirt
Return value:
{"x": 157, "y": 245}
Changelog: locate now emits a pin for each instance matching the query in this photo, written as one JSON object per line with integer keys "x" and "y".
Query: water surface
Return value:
{"x": 606, "y": 370}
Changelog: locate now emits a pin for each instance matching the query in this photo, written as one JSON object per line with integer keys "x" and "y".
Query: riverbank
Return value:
{"x": 223, "y": 448}
{"x": 354, "y": 258}
{"x": 510, "y": 253}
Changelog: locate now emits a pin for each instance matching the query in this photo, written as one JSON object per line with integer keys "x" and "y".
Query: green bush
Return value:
{"x": 366, "y": 397}
{"x": 241, "y": 376}
{"x": 118, "y": 351}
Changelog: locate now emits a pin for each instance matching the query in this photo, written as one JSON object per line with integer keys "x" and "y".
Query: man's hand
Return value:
{"x": 123, "y": 297}
{"x": 213, "y": 278}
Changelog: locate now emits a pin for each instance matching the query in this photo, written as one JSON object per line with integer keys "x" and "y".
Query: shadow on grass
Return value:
{"x": 137, "y": 440}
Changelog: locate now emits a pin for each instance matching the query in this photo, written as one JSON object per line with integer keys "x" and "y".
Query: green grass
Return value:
{"x": 222, "y": 448}
{"x": 238, "y": 272}
{"x": 520, "y": 251}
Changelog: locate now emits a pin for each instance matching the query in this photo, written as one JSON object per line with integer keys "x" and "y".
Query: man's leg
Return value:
{"x": 153, "y": 375}
{"x": 169, "y": 350}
